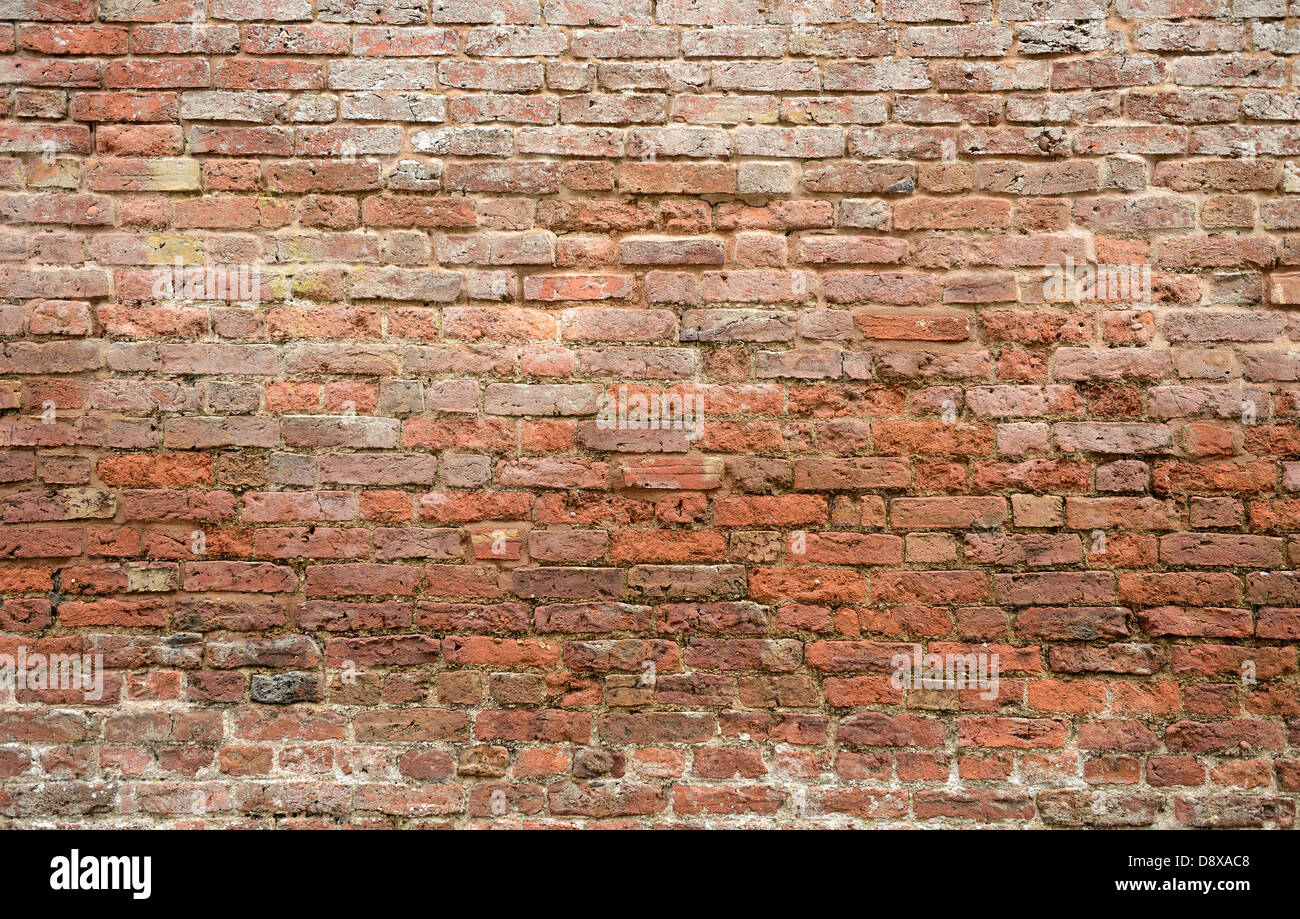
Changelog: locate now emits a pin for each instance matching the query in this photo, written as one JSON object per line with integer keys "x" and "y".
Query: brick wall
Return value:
{"x": 368, "y": 527}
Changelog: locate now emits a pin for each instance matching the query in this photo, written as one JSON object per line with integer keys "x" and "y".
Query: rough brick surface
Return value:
{"x": 376, "y": 539}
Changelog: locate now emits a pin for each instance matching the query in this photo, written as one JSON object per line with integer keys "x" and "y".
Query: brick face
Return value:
{"x": 551, "y": 412}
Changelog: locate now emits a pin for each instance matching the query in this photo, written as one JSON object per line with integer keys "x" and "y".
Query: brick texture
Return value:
{"x": 324, "y": 330}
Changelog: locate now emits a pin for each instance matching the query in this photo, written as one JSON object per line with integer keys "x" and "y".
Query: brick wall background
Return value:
{"x": 367, "y": 542}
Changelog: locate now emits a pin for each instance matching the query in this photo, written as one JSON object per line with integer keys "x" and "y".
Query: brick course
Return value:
{"x": 366, "y": 534}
